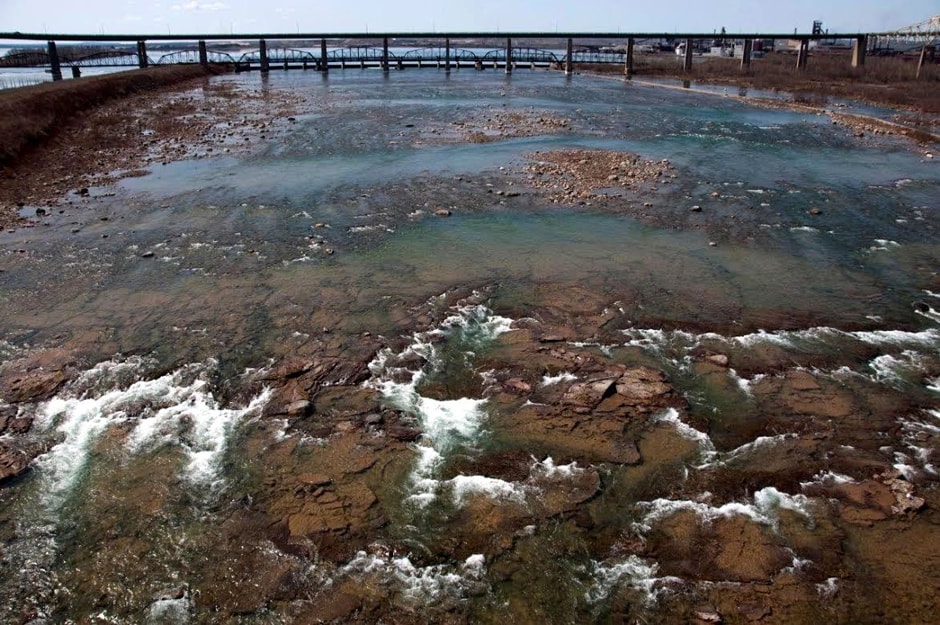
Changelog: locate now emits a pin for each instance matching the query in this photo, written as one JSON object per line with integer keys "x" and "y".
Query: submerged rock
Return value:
{"x": 16, "y": 456}
{"x": 724, "y": 549}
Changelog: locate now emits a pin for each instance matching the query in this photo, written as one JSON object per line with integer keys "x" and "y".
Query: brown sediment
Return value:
{"x": 92, "y": 132}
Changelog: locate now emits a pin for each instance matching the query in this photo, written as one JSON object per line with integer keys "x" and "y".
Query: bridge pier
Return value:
{"x": 324, "y": 66}
{"x": 263, "y": 53}
{"x": 384, "y": 54}
{"x": 54, "y": 61}
{"x": 568, "y": 63}
{"x": 687, "y": 63}
{"x": 142, "y": 54}
{"x": 203, "y": 54}
{"x": 859, "y": 49}
{"x": 508, "y": 55}
{"x": 803, "y": 54}
{"x": 76, "y": 71}
{"x": 746, "y": 54}
{"x": 447, "y": 56}
{"x": 628, "y": 69}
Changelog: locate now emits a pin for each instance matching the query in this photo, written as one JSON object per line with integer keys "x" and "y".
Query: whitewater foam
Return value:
{"x": 632, "y": 572}
{"x": 173, "y": 409}
{"x": 418, "y": 584}
{"x": 463, "y": 486}
{"x": 445, "y": 424}
{"x": 671, "y": 415}
{"x": 564, "y": 376}
{"x": 828, "y": 478}
{"x": 763, "y": 510}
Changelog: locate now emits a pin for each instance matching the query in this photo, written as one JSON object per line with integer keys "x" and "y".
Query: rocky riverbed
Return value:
{"x": 325, "y": 379}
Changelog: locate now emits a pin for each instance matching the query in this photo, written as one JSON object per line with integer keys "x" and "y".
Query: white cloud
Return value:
{"x": 133, "y": 18}
{"x": 196, "y": 5}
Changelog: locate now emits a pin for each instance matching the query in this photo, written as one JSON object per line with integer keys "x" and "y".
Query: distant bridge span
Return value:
{"x": 365, "y": 55}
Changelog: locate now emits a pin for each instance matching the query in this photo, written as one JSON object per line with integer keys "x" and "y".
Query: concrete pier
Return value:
{"x": 803, "y": 54}
{"x": 859, "y": 49}
{"x": 324, "y": 65}
{"x": 508, "y": 55}
{"x": 54, "y": 61}
{"x": 385, "y": 54}
{"x": 746, "y": 54}
{"x": 203, "y": 54}
{"x": 628, "y": 68}
{"x": 76, "y": 71}
{"x": 142, "y": 61}
{"x": 263, "y": 53}
{"x": 447, "y": 55}
{"x": 687, "y": 64}
{"x": 568, "y": 64}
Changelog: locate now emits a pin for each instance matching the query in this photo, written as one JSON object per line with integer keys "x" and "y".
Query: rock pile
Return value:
{"x": 487, "y": 127}
{"x": 578, "y": 176}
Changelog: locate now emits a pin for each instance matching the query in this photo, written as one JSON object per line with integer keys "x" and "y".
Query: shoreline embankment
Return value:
{"x": 28, "y": 115}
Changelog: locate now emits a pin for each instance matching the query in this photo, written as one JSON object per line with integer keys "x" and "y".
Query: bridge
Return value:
{"x": 363, "y": 56}
{"x": 338, "y": 55}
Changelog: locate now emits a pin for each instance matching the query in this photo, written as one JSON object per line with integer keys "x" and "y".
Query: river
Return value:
{"x": 761, "y": 331}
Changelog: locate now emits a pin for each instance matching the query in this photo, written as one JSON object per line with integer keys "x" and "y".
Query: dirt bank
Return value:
{"x": 61, "y": 140}
{"x": 30, "y": 114}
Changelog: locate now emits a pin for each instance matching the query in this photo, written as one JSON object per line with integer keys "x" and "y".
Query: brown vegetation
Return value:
{"x": 888, "y": 81}
{"x": 29, "y": 114}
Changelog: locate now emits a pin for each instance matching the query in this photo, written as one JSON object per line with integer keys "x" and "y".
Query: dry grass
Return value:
{"x": 883, "y": 80}
{"x": 28, "y": 115}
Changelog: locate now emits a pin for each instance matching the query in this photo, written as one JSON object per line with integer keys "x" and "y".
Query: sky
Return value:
{"x": 291, "y": 16}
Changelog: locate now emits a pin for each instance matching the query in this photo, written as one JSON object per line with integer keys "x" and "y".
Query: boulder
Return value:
{"x": 31, "y": 386}
{"x": 588, "y": 394}
{"x": 642, "y": 385}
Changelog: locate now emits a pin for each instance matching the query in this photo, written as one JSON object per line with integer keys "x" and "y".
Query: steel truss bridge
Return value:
{"x": 926, "y": 33}
{"x": 364, "y": 56}
{"x": 432, "y": 55}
